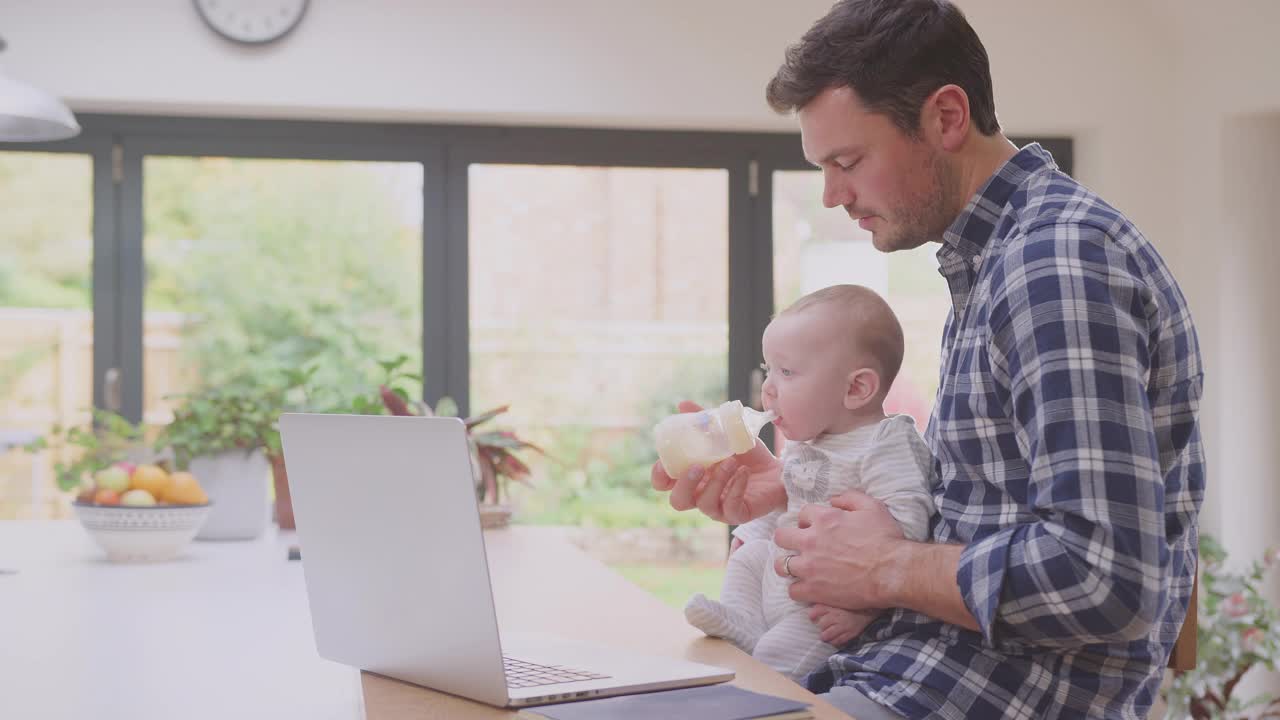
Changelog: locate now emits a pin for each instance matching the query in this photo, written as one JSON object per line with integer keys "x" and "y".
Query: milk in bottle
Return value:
{"x": 707, "y": 437}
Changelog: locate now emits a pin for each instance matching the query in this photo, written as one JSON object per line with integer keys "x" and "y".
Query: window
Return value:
{"x": 255, "y": 265}
{"x": 598, "y": 299}
{"x": 46, "y": 320}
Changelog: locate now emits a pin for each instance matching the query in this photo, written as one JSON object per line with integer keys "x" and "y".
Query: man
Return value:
{"x": 1065, "y": 431}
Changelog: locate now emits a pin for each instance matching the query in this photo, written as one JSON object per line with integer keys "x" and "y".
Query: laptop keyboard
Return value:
{"x": 522, "y": 674}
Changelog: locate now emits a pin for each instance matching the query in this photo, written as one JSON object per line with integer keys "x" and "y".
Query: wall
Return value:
{"x": 1230, "y": 108}
{"x": 1248, "y": 385}
{"x": 556, "y": 61}
{"x": 1227, "y": 86}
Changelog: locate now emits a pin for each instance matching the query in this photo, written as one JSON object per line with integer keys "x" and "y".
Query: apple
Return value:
{"x": 126, "y": 466}
{"x": 137, "y": 497}
{"x": 106, "y": 497}
{"x": 112, "y": 478}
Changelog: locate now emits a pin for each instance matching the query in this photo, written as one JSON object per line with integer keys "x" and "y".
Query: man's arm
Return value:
{"x": 853, "y": 555}
{"x": 922, "y": 577}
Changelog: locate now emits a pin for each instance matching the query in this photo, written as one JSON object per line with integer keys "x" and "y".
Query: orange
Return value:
{"x": 184, "y": 489}
{"x": 151, "y": 478}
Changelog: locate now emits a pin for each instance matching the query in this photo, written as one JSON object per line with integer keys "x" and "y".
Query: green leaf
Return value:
{"x": 389, "y": 366}
{"x": 237, "y": 416}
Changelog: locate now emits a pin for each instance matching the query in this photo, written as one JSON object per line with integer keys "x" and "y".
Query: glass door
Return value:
{"x": 254, "y": 266}
{"x": 46, "y": 318}
{"x": 599, "y": 297}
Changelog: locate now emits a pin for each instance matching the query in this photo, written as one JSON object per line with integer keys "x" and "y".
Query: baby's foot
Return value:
{"x": 716, "y": 620}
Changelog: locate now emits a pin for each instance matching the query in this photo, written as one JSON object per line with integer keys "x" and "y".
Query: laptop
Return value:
{"x": 396, "y": 575}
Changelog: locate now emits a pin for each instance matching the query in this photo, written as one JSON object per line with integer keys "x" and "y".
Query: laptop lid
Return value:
{"x": 369, "y": 493}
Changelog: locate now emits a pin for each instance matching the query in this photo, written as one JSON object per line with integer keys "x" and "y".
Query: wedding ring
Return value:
{"x": 786, "y": 566}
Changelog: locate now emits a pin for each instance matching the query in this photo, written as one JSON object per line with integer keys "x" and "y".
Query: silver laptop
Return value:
{"x": 396, "y": 574}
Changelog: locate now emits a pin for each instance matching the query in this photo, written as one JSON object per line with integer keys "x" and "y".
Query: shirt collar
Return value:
{"x": 969, "y": 233}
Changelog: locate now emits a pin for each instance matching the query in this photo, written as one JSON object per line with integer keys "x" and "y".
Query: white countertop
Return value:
{"x": 222, "y": 632}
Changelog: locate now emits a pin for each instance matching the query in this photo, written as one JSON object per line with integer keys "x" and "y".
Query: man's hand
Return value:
{"x": 844, "y": 555}
{"x": 839, "y": 627}
{"x": 736, "y": 490}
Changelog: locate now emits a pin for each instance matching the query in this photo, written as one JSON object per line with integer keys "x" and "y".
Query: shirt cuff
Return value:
{"x": 980, "y": 576}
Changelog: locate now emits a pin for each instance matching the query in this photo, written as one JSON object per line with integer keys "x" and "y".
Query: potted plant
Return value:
{"x": 493, "y": 452}
{"x": 108, "y": 440}
{"x": 1237, "y": 630}
{"x": 300, "y": 395}
{"x": 224, "y": 436}
{"x": 302, "y": 392}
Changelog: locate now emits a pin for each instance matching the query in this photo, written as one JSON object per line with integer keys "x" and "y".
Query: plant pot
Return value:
{"x": 494, "y": 516}
{"x": 284, "y": 503}
{"x": 236, "y": 482}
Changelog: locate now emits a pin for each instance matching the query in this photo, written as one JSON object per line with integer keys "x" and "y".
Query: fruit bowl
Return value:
{"x": 141, "y": 534}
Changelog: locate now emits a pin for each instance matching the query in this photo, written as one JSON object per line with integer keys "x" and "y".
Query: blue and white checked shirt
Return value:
{"x": 1067, "y": 448}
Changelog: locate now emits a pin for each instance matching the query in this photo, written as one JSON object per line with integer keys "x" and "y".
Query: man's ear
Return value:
{"x": 945, "y": 116}
{"x": 863, "y": 386}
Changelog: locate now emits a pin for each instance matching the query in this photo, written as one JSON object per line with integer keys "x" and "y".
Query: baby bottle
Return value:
{"x": 707, "y": 437}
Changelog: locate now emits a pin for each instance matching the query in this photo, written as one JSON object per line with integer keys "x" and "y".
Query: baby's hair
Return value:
{"x": 872, "y": 324}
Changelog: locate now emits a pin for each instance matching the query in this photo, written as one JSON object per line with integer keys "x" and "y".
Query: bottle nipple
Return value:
{"x": 742, "y": 424}
{"x": 757, "y": 419}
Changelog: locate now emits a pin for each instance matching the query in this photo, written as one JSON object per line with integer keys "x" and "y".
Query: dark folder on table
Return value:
{"x": 712, "y": 702}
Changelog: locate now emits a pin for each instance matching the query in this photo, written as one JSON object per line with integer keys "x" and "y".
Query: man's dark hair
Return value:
{"x": 893, "y": 54}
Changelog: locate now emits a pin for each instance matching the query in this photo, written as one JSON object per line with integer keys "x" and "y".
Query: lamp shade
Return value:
{"x": 31, "y": 115}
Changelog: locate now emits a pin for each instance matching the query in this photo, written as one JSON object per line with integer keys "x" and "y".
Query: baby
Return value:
{"x": 829, "y": 361}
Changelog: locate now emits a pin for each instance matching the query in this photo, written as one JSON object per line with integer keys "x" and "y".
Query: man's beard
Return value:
{"x": 924, "y": 215}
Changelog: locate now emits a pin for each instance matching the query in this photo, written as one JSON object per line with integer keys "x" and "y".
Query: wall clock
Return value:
{"x": 252, "y": 22}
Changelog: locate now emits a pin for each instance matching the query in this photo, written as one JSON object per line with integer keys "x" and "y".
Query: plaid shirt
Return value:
{"x": 1067, "y": 449}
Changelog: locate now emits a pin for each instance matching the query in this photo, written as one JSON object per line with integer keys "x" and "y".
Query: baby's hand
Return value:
{"x": 840, "y": 626}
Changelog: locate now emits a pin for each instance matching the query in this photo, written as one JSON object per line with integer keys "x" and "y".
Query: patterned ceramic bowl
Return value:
{"x": 141, "y": 534}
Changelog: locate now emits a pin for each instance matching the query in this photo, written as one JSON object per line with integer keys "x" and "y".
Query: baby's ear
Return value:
{"x": 862, "y": 388}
